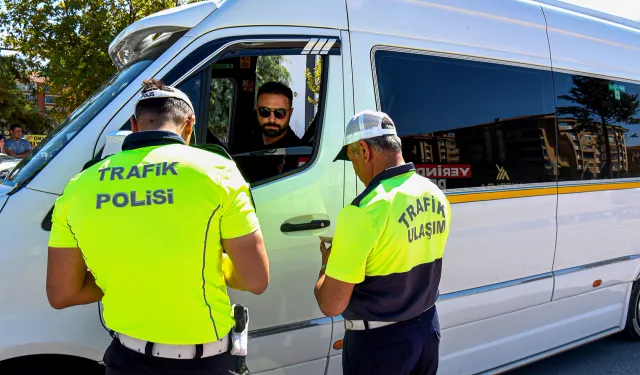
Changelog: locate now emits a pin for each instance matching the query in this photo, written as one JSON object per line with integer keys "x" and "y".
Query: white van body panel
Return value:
{"x": 4, "y": 191}
{"x": 503, "y": 30}
{"x": 578, "y": 280}
{"x": 573, "y": 37}
{"x": 28, "y": 324}
{"x": 329, "y": 14}
{"x": 491, "y": 343}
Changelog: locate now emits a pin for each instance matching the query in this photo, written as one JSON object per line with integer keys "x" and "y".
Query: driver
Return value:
{"x": 274, "y": 110}
{"x": 272, "y": 131}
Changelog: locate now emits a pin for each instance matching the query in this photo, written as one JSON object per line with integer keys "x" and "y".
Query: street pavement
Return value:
{"x": 610, "y": 356}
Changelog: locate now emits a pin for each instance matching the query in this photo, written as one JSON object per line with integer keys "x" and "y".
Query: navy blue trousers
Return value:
{"x": 123, "y": 361}
{"x": 405, "y": 348}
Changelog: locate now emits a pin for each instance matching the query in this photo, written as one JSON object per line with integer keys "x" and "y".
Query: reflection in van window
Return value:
{"x": 60, "y": 136}
{"x": 468, "y": 123}
{"x": 599, "y": 128}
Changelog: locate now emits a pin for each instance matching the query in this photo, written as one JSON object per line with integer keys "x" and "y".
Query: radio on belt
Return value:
{"x": 240, "y": 338}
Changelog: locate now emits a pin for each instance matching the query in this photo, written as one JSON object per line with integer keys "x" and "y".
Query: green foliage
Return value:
{"x": 66, "y": 41}
{"x": 15, "y": 108}
{"x": 314, "y": 81}
{"x": 271, "y": 68}
{"x": 220, "y": 103}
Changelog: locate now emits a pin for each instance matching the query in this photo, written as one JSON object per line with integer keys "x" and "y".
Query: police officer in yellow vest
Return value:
{"x": 383, "y": 270}
{"x": 157, "y": 232}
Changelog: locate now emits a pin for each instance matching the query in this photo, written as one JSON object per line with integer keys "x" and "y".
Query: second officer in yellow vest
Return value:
{"x": 152, "y": 224}
{"x": 383, "y": 270}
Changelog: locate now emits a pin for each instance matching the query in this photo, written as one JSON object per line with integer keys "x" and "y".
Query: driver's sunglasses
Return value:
{"x": 279, "y": 113}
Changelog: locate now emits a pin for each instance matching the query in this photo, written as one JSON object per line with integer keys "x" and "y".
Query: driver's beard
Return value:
{"x": 272, "y": 133}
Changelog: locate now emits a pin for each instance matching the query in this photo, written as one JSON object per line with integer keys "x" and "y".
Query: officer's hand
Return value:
{"x": 325, "y": 251}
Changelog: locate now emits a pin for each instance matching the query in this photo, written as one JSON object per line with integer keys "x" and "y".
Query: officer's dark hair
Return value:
{"x": 276, "y": 88}
{"x": 171, "y": 110}
{"x": 383, "y": 143}
{"x": 14, "y": 127}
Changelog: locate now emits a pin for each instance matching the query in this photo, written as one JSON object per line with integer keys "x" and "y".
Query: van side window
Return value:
{"x": 466, "y": 123}
{"x": 268, "y": 138}
{"x": 273, "y": 135}
{"x": 598, "y": 128}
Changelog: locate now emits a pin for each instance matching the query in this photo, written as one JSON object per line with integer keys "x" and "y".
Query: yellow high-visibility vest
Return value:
{"x": 149, "y": 222}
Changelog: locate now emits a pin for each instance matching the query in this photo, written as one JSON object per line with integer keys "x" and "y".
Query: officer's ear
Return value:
{"x": 187, "y": 128}
{"x": 134, "y": 124}
{"x": 365, "y": 150}
{"x": 191, "y": 123}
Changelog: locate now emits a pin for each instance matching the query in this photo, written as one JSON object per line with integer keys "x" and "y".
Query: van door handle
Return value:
{"x": 313, "y": 224}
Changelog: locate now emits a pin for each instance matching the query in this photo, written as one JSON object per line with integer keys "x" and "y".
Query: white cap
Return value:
{"x": 155, "y": 94}
{"x": 364, "y": 125}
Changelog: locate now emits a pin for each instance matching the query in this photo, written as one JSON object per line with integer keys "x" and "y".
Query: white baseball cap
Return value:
{"x": 364, "y": 125}
{"x": 156, "y": 94}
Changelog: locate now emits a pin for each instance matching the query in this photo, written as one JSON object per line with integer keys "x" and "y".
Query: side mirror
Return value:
{"x": 113, "y": 142}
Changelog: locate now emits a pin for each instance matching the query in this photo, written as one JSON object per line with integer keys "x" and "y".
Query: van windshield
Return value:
{"x": 33, "y": 163}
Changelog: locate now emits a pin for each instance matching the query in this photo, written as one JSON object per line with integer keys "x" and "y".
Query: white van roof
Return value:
{"x": 330, "y": 14}
{"x": 590, "y": 12}
{"x": 444, "y": 21}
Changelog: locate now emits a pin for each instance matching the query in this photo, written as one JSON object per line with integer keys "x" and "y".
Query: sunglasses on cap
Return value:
{"x": 279, "y": 113}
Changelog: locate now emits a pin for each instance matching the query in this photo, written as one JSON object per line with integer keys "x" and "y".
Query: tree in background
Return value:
{"x": 314, "y": 81}
{"x": 271, "y": 68}
{"x": 220, "y": 108}
{"x": 15, "y": 108}
{"x": 66, "y": 42}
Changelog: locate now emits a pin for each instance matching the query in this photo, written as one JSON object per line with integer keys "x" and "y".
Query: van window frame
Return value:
{"x": 211, "y": 52}
{"x": 423, "y": 52}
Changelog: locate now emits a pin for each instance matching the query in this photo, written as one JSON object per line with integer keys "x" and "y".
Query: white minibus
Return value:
{"x": 525, "y": 112}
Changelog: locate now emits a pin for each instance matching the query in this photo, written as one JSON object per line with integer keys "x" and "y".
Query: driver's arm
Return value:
{"x": 28, "y": 150}
{"x": 10, "y": 152}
